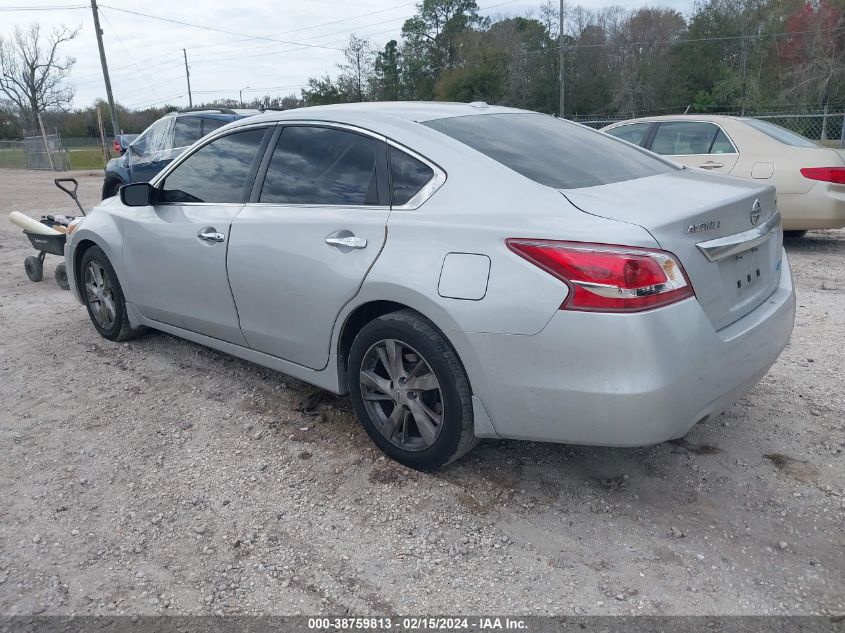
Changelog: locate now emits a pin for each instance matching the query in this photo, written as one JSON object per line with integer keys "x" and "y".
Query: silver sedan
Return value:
{"x": 462, "y": 271}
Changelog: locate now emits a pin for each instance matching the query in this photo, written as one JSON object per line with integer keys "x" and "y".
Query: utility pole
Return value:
{"x": 188, "y": 77}
{"x": 115, "y": 127}
{"x": 562, "y": 66}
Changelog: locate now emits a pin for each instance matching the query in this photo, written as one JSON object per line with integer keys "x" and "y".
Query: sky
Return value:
{"x": 272, "y": 46}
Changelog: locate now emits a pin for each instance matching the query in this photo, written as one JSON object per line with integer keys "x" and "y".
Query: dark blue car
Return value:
{"x": 163, "y": 141}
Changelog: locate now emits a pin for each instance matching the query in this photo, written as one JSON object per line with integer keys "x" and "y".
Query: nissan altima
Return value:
{"x": 463, "y": 271}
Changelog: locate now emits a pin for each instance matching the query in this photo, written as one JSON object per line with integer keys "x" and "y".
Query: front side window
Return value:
{"x": 315, "y": 165}
{"x": 633, "y": 133}
{"x": 186, "y": 131}
{"x": 407, "y": 176}
{"x": 550, "y": 151}
{"x": 684, "y": 138}
{"x": 217, "y": 172}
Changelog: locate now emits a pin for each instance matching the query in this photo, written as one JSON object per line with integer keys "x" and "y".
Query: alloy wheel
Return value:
{"x": 401, "y": 395}
{"x": 100, "y": 295}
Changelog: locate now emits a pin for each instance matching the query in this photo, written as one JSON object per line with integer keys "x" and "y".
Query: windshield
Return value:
{"x": 781, "y": 134}
{"x": 155, "y": 138}
{"x": 551, "y": 151}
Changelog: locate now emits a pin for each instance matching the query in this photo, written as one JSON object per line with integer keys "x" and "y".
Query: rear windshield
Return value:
{"x": 781, "y": 133}
{"x": 551, "y": 151}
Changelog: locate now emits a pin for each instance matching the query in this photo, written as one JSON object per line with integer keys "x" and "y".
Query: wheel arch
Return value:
{"x": 78, "y": 253}
{"x": 108, "y": 180}
{"x": 371, "y": 308}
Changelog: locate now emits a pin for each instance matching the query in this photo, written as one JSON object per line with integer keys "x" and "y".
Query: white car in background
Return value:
{"x": 809, "y": 178}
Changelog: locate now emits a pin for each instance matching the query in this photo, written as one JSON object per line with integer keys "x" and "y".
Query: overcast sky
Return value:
{"x": 302, "y": 38}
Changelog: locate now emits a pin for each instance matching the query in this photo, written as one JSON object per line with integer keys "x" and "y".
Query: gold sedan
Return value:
{"x": 810, "y": 178}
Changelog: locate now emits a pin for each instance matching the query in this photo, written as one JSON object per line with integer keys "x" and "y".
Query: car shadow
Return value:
{"x": 814, "y": 242}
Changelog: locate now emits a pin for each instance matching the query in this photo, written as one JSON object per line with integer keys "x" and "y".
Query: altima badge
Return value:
{"x": 704, "y": 226}
{"x": 756, "y": 209}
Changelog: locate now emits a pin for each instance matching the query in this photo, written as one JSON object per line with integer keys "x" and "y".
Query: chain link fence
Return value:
{"x": 826, "y": 127}
{"x": 12, "y": 155}
{"x": 64, "y": 153}
{"x": 45, "y": 152}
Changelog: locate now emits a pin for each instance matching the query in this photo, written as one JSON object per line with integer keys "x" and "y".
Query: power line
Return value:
{"x": 128, "y": 54}
{"x": 216, "y": 30}
{"x": 55, "y": 7}
{"x": 153, "y": 103}
{"x": 128, "y": 68}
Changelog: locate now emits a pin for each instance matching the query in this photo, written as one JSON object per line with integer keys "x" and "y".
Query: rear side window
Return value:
{"x": 722, "y": 144}
{"x": 209, "y": 125}
{"x": 550, "y": 151}
{"x": 216, "y": 172}
{"x": 314, "y": 165}
{"x": 407, "y": 176}
{"x": 633, "y": 133}
{"x": 186, "y": 131}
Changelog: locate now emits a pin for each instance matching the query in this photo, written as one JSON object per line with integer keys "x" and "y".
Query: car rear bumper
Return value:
{"x": 822, "y": 207}
{"x": 624, "y": 379}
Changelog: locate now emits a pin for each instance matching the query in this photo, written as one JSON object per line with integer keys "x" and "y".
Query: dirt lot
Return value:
{"x": 159, "y": 476}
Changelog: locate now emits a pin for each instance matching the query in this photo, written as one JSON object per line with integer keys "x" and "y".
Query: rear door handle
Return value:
{"x": 350, "y": 241}
{"x": 711, "y": 165}
{"x": 210, "y": 235}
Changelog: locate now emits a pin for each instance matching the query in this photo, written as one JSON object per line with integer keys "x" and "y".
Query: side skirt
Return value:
{"x": 322, "y": 379}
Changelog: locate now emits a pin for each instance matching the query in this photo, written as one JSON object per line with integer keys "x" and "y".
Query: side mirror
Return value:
{"x": 139, "y": 194}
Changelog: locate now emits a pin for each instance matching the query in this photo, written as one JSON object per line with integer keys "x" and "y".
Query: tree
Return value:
{"x": 644, "y": 43}
{"x": 432, "y": 40}
{"x": 356, "y": 73}
{"x": 32, "y": 72}
{"x": 387, "y": 81}
{"x": 321, "y": 91}
{"x": 815, "y": 53}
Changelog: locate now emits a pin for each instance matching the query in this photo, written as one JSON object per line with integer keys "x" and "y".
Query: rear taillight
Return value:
{"x": 826, "y": 174}
{"x": 606, "y": 278}
{"x": 117, "y": 146}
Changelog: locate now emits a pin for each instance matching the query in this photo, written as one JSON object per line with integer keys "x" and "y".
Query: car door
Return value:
{"x": 299, "y": 251}
{"x": 175, "y": 250}
{"x": 700, "y": 144}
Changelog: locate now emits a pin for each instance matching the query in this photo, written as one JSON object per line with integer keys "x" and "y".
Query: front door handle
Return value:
{"x": 210, "y": 235}
{"x": 350, "y": 241}
{"x": 711, "y": 165}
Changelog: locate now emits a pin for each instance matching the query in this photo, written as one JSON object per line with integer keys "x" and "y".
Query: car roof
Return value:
{"x": 362, "y": 113}
{"x": 715, "y": 118}
{"x": 223, "y": 114}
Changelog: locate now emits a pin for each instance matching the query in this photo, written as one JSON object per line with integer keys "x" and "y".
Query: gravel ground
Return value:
{"x": 161, "y": 477}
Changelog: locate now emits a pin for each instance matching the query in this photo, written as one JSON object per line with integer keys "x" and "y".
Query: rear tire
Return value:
{"x": 794, "y": 235}
{"x": 103, "y": 296}
{"x": 419, "y": 412}
{"x": 61, "y": 277}
{"x": 34, "y": 268}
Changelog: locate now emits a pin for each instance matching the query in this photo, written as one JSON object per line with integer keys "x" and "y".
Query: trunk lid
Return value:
{"x": 732, "y": 261}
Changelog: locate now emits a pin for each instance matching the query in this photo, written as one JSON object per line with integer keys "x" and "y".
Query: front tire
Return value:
{"x": 794, "y": 235}
{"x": 111, "y": 187}
{"x": 410, "y": 391}
{"x": 103, "y": 296}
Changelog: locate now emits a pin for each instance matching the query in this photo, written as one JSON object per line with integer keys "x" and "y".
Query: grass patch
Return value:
{"x": 86, "y": 158}
{"x": 12, "y": 158}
